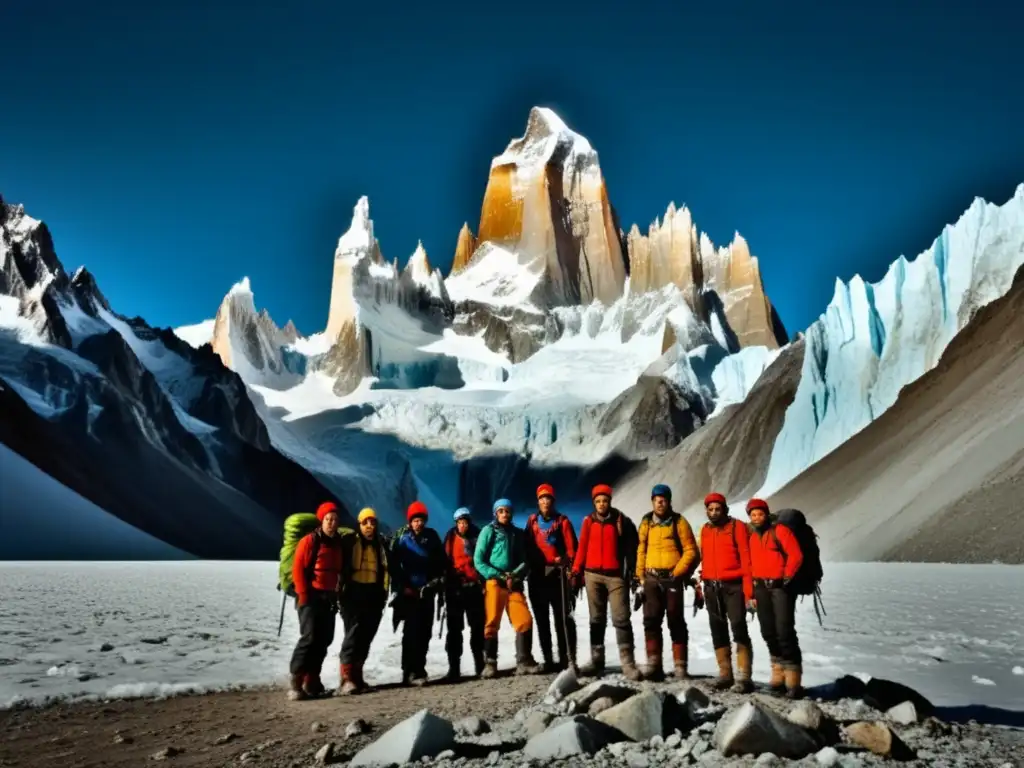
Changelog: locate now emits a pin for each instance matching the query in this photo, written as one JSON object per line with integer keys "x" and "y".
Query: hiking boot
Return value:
{"x": 794, "y": 676}
{"x": 777, "y": 682}
{"x": 724, "y": 679}
{"x": 490, "y": 657}
{"x": 744, "y": 664}
{"x": 348, "y": 680}
{"x": 418, "y": 679}
{"x": 313, "y": 687}
{"x": 295, "y": 692}
{"x": 629, "y": 670}
{"x": 655, "y": 669}
{"x": 525, "y": 663}
{"x": 680, "y": 661}
{"x": 478, "y": 662}
{"x": 360, "y": 681}
{"x": 595, "y": 666}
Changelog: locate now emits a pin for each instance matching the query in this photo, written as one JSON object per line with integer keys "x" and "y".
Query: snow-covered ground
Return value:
{"x": 108, "y": 629}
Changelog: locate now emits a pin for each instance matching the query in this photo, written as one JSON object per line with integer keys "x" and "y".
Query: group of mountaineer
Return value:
{"x": 474, "y": 576}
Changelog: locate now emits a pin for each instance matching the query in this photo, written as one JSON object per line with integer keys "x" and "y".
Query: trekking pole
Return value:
{"x": 280, "y": 622}
{"x": 571, "y": 646}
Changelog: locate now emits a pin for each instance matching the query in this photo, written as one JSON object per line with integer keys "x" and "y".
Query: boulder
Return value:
{"x": 879, "y": 738}
{"x": 809, "y": 715}
{"x": 599, "y": 706}
{"x": 750, "y": 729}
{"x": 598, "y": 690}
{"x": 645, "y": 715}
{"x": 472, "y": 726}
{"x": 904, "y": 714}
{"x": 693, "y": 697}
{"x": 579, "y": 736}
{"x": 827, "y": 757}
{"x": 565, "y": 683}
{"x": 419, "y": 736}
{"x": 886, "y": 694}
{"x": 537, "y": 722}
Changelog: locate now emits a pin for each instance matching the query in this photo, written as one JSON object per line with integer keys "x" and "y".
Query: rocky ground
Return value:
{"x": 512, "y": 722}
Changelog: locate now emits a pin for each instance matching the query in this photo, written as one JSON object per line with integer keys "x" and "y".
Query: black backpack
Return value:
{"x": 807, "y": 580}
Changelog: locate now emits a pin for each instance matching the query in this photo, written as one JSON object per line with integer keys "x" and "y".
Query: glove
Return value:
{"x": 751, "y": 607}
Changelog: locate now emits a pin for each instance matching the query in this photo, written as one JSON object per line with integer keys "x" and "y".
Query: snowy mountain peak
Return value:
{"x": 418, "y": 265}
{"x": 545, "y": 133}
{"x": 358, "y": 241}
{"x": 464, "y": 249}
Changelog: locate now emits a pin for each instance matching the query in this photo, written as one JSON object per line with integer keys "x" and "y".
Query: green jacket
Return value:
{"x": 501, "y": 549}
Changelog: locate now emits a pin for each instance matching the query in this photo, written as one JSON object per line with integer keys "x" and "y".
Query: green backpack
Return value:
{"x": 296, "y": 527}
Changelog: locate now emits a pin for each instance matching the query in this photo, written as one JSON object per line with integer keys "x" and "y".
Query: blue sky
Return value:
{"x": 175, "y": 147}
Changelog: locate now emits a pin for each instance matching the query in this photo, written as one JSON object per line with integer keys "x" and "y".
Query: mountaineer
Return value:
{"x": 551, "y": 544}
{"x": 666, "y": 558}
{"x": 728, "y": 591}
{"x": 316, "y": 574}
{"x": 363, "y": 598}
{"x": 607, "y": 549}
{"x": 464, "y": 595}
{"x": 500, "y": 557}
{"x": 775, "y": 558}
{"x": 418, "y": 561}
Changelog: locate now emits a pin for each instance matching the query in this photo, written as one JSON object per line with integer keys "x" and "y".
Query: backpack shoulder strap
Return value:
{"x": 778, "y": 545}
{"x": 531, "y": 524}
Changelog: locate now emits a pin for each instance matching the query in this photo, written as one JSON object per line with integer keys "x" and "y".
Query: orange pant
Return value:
{"x": 497, "y": 600}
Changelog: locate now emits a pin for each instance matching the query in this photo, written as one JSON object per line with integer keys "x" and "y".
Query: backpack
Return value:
{"x": 296, "y": 528}
{"x": 808, "y": 578}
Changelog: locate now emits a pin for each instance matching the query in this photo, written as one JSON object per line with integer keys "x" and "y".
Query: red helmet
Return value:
{"x": 713, "y": 497}
{"x": 416, "y": 509}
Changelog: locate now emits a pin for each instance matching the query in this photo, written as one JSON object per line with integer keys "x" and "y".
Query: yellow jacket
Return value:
{"x": 658, "y": 549}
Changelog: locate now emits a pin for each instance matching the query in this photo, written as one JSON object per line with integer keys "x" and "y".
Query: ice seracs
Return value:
{"x": 875, "y": 338}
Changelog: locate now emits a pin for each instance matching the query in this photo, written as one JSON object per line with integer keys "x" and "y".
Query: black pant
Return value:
{"x": 464, "y": 604}
{"x": 419, "y": 625}
{"x": 776, "y": 613}
{"x": 549, "y": 594}
{"x": 726, "y": 607}
{"x": 664, "y": 598}
{"x": 361, "y": 611}
{"x": 316, "y": 633}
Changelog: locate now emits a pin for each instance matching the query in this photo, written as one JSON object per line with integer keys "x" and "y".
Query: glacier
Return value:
{"x": 875, "y": 338}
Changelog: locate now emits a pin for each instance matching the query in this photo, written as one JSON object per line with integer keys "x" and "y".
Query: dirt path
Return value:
{"x": 263, "y": 722}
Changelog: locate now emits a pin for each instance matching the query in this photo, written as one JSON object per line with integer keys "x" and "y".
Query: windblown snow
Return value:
{"x": 196, "y": 335}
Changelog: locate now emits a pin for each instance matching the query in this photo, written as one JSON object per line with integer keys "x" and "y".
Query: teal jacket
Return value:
{"x": 501, "y": 549}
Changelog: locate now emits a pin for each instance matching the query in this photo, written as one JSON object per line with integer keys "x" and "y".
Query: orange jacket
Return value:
{"x": 325, "y": 573}
{"x": 725, "y": 554}
{"x": 768, "y": 561}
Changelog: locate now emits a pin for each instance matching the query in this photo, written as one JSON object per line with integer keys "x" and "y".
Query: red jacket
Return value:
{"x": 725, "y": 554}
{"x": 766, "y": 559}
{"x": 548, "y": 541}
{"x": 459, "y": 550}
{"x": 606, "y": 546}
{"x": 325, "y": 573}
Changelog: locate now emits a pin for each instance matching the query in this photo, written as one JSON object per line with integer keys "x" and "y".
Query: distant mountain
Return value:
{"x": 148, "y": 428}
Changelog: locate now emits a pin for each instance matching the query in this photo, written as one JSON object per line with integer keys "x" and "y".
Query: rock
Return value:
{"x": 316, "y": 727}
{"x": 600, "y": 689}
{"x": 565, "y": 683}
{"x": 472, "y": 726}
{"x": 448, "y": 754}
{"x": 600, "y": 705}
{"x": 656, "y": 742}
{"x": 674, "y": 740}
{"x": 537, "y": 722}
{"x": 166, "y": 753}
{"x": 750, "y": 729}
{"x": 904, "y": 714}
{"x": 637, "y": 760}
{"x": 579, "y": 736}
{"x": 700, "y": 747}
{"x": 119, "y": 739}
{"x": 693, "y": 697}
{"x": 848, "y": 687}
{"x": 808, "y": 715}
{"x": 827, "y": 757}
{"x": 767, "y": 759}
{"x": 422, "y": 735}
{"x": 879, "y": 738}
{"x": 645, "y": 715}
{"x": 886, "y": 694}
{"x": 356, "y": 728}
{"x": 325, "y": 754}
{"x": 106, "y": 647}
{"x": 225, "y": 738}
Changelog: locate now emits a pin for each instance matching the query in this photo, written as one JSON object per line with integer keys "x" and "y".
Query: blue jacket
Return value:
{"x": 416, "y": 560}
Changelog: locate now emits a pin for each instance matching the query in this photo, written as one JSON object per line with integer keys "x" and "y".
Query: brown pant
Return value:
{"x": 602, "y": 591}
{"x": 663, "y": 598}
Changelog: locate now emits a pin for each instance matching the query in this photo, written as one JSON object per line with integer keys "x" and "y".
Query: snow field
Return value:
{"x": 88, "y": 630}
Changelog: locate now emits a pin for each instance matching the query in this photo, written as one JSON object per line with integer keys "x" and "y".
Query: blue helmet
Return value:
{"x": 662, "y": 490}
{"x": 461, "y": 512}
{"x": 501, "y": 503}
